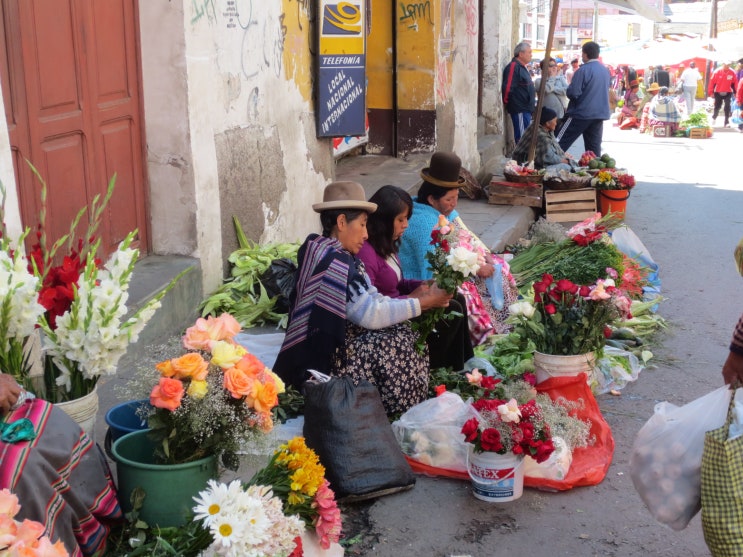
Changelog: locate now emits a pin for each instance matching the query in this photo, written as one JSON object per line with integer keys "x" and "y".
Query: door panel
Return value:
{"x": 73, "y": 107}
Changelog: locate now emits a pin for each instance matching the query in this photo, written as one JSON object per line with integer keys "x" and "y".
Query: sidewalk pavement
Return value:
{"x": 496, "y": 225}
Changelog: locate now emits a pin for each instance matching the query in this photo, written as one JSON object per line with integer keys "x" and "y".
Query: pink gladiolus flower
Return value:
{"x": 328, "y": 523}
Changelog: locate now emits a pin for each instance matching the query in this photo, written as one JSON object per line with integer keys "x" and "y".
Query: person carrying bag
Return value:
{"x": 722, "y": 485}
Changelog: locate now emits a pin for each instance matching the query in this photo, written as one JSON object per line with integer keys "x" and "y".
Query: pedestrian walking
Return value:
{"x": 722, "y": 87}
{"x": 739, "y": 99}
{"x": 571, "y": 70}
{"x": 555, "y": 90}
{"x": 517, "y": 89}
{"x": 690, "y": 79}
{"x": 661, "y": 76}
{"x": 589, "y": 102}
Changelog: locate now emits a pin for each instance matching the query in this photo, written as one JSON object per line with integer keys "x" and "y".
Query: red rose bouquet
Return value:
{"x": 505, "y": 426}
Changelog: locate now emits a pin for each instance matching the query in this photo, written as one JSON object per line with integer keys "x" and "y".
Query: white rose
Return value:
{"x": 463, "y": 260}
{"x": 522, "y": 308}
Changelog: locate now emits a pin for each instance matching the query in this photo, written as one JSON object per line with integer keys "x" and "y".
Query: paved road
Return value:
{"x": 688, "y": 210}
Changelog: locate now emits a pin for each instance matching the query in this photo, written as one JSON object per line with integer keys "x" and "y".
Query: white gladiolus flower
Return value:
{"x": 463, "y": 260}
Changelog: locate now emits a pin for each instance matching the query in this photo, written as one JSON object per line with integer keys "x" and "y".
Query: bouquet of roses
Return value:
{"x": 296, "y": 476}
{"x": 505, "y": 426}
{"x": 213, "y": 399}
{"x": 567, "y": 318}
{"x": 23, "y": 538}
{"x": 454, "y": 259}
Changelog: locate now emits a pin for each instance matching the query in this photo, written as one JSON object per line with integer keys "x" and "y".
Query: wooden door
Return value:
{"x": 70, "y": 78}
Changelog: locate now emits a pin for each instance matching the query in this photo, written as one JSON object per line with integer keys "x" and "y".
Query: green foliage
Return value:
{"x": 244, "y": 295}
{"x": 695, "y": 120}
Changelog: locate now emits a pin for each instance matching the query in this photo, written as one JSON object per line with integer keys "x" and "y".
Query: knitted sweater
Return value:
{"x": 383, "y": 276}
{"x": 547, "y": 152}
{"x": 416, "y": 241}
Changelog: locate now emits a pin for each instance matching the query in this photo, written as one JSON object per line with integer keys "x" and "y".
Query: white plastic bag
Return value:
{"x": 431, "y": 432}
{"x": 666, "y": 458}
{"x": 556, "y": 467}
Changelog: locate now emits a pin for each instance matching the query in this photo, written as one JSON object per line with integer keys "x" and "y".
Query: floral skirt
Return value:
{"x": 388, "y": 359}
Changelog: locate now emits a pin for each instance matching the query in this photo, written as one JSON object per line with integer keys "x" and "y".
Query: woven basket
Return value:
{"x": 530, "y": 179}
{"x": 583, "y": 182}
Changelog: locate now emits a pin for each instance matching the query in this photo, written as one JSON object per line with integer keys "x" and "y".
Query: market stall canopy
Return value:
{"x": 642, "y": 54}
{"x": 729, "y": 45}
{"x": 639, "y": 7}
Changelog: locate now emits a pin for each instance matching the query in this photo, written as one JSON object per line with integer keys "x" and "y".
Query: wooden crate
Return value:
{"x": 698, "y": 133}
{"x": 570, "y": 205}
{"x": 501, "y": 192}
{"x": 663, "y": 130}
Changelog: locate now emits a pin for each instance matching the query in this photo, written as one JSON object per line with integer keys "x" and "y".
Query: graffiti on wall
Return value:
{"x": 472, "y": 28}
{"x": 201, "y": 9}
{"x": 413, "y": 13}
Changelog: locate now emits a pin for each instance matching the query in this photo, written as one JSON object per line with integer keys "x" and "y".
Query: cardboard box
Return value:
{"x": 662, "y": 131}
{"x": 501, "y": 192}
{"x": 570, "y": 205}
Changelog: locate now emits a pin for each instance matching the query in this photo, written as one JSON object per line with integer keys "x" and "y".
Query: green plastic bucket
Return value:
{"x": 169, "y": 488}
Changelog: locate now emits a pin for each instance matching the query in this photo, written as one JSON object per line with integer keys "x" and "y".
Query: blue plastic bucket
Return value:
{"x": 123, "y": 419}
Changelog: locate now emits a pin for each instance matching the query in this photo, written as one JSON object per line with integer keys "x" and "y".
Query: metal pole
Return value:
{"x": 543, "y": 80}
{"x": 712, "y": 35}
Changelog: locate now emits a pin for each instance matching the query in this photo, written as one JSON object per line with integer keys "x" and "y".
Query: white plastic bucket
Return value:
{"x": 496, "y": 478}
{"x": 550, "y": 365}
{"x": 83, "y": 411}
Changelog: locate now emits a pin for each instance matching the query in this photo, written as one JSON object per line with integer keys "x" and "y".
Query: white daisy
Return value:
{"x": 227, "y": 530}
{"x": 217, "y": 500}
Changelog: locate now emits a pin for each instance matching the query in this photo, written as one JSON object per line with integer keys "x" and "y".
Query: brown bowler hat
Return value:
{"x": 444, "y": 171}
{"x": 344, "y": 195}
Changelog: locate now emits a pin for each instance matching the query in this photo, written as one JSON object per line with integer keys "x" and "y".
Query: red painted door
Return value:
{"x": 70, "y": 78}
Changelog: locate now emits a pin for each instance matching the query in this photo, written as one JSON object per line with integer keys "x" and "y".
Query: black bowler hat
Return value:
{"x": 444, "y": 171}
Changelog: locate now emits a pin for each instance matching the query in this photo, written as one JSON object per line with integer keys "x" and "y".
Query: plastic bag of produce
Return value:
{"x": 666, "y": 457}
{"x": 430, "y": 433}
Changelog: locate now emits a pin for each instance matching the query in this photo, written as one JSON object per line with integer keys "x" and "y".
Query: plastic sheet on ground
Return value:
{"x": 617, "y": 368}
{"x": 265, "y": 347}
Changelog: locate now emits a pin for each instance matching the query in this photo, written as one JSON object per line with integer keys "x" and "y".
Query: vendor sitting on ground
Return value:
{"x": 58, "y": 473}
{"x": 663, "y": 111}
{"x": 643, "y": 113}
{"x": 548, "y": 151}
{"x": 339, "y": 324}
{"x": 632, "y": 102}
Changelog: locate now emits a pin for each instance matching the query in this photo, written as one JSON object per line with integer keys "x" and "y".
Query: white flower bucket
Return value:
{"x": 83, "y": 411}
{"x": 496, "y": 478}
{"x": 551, "y": 365}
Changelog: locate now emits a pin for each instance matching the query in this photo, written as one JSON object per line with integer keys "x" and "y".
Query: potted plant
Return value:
{"x": 568, "y": 320}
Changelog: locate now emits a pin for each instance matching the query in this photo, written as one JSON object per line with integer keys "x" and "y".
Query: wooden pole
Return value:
{"x": 543, "y": 80}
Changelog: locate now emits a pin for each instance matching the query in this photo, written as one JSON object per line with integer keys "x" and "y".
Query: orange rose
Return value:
{"x": 167, "y": 394}
{"x": 251, "y": 365}
{"x": 190, "y": 366}
{"x": 165, "y": 368}
{"x": 263, "y": 398}
{"x": 238, "y": 383}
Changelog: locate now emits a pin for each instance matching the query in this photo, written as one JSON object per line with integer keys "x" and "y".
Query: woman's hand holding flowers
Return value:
{"x": 431, "y": 296}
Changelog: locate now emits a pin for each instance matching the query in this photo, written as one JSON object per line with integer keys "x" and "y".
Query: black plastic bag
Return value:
{"x": 347, "y": 427}
{"x": 278, "y": 280}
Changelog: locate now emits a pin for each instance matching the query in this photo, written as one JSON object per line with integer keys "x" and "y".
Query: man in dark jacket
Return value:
{"x": 518, "y": 90}
{"x": 662, "y": 77}
{"x": 588, "y": 94}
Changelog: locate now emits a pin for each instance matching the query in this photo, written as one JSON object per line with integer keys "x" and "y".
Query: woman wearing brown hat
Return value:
{"x": 339, "y": 324}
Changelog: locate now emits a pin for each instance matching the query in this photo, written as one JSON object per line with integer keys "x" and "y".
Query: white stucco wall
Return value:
{"x": 497, "y": 22}
{"x": 464, "y": 82}
{"x": 229, "y": 125}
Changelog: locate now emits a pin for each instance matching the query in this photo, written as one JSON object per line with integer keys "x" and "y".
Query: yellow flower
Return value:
{"x": 225, "y": 354}
{"x": 280, "y": 387}
{"x": 197, "y": 389}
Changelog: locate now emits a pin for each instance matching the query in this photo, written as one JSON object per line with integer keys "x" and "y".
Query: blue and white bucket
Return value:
{"x": 496, "y": 478}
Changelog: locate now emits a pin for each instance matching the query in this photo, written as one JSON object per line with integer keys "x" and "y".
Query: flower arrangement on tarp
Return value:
{"x": 267, "y": 516}
{"x": 23, "y": 538}
{"x": 213, "y": 399}
{"x": 453, "y": 260}
{"x": 567, "y": 318}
